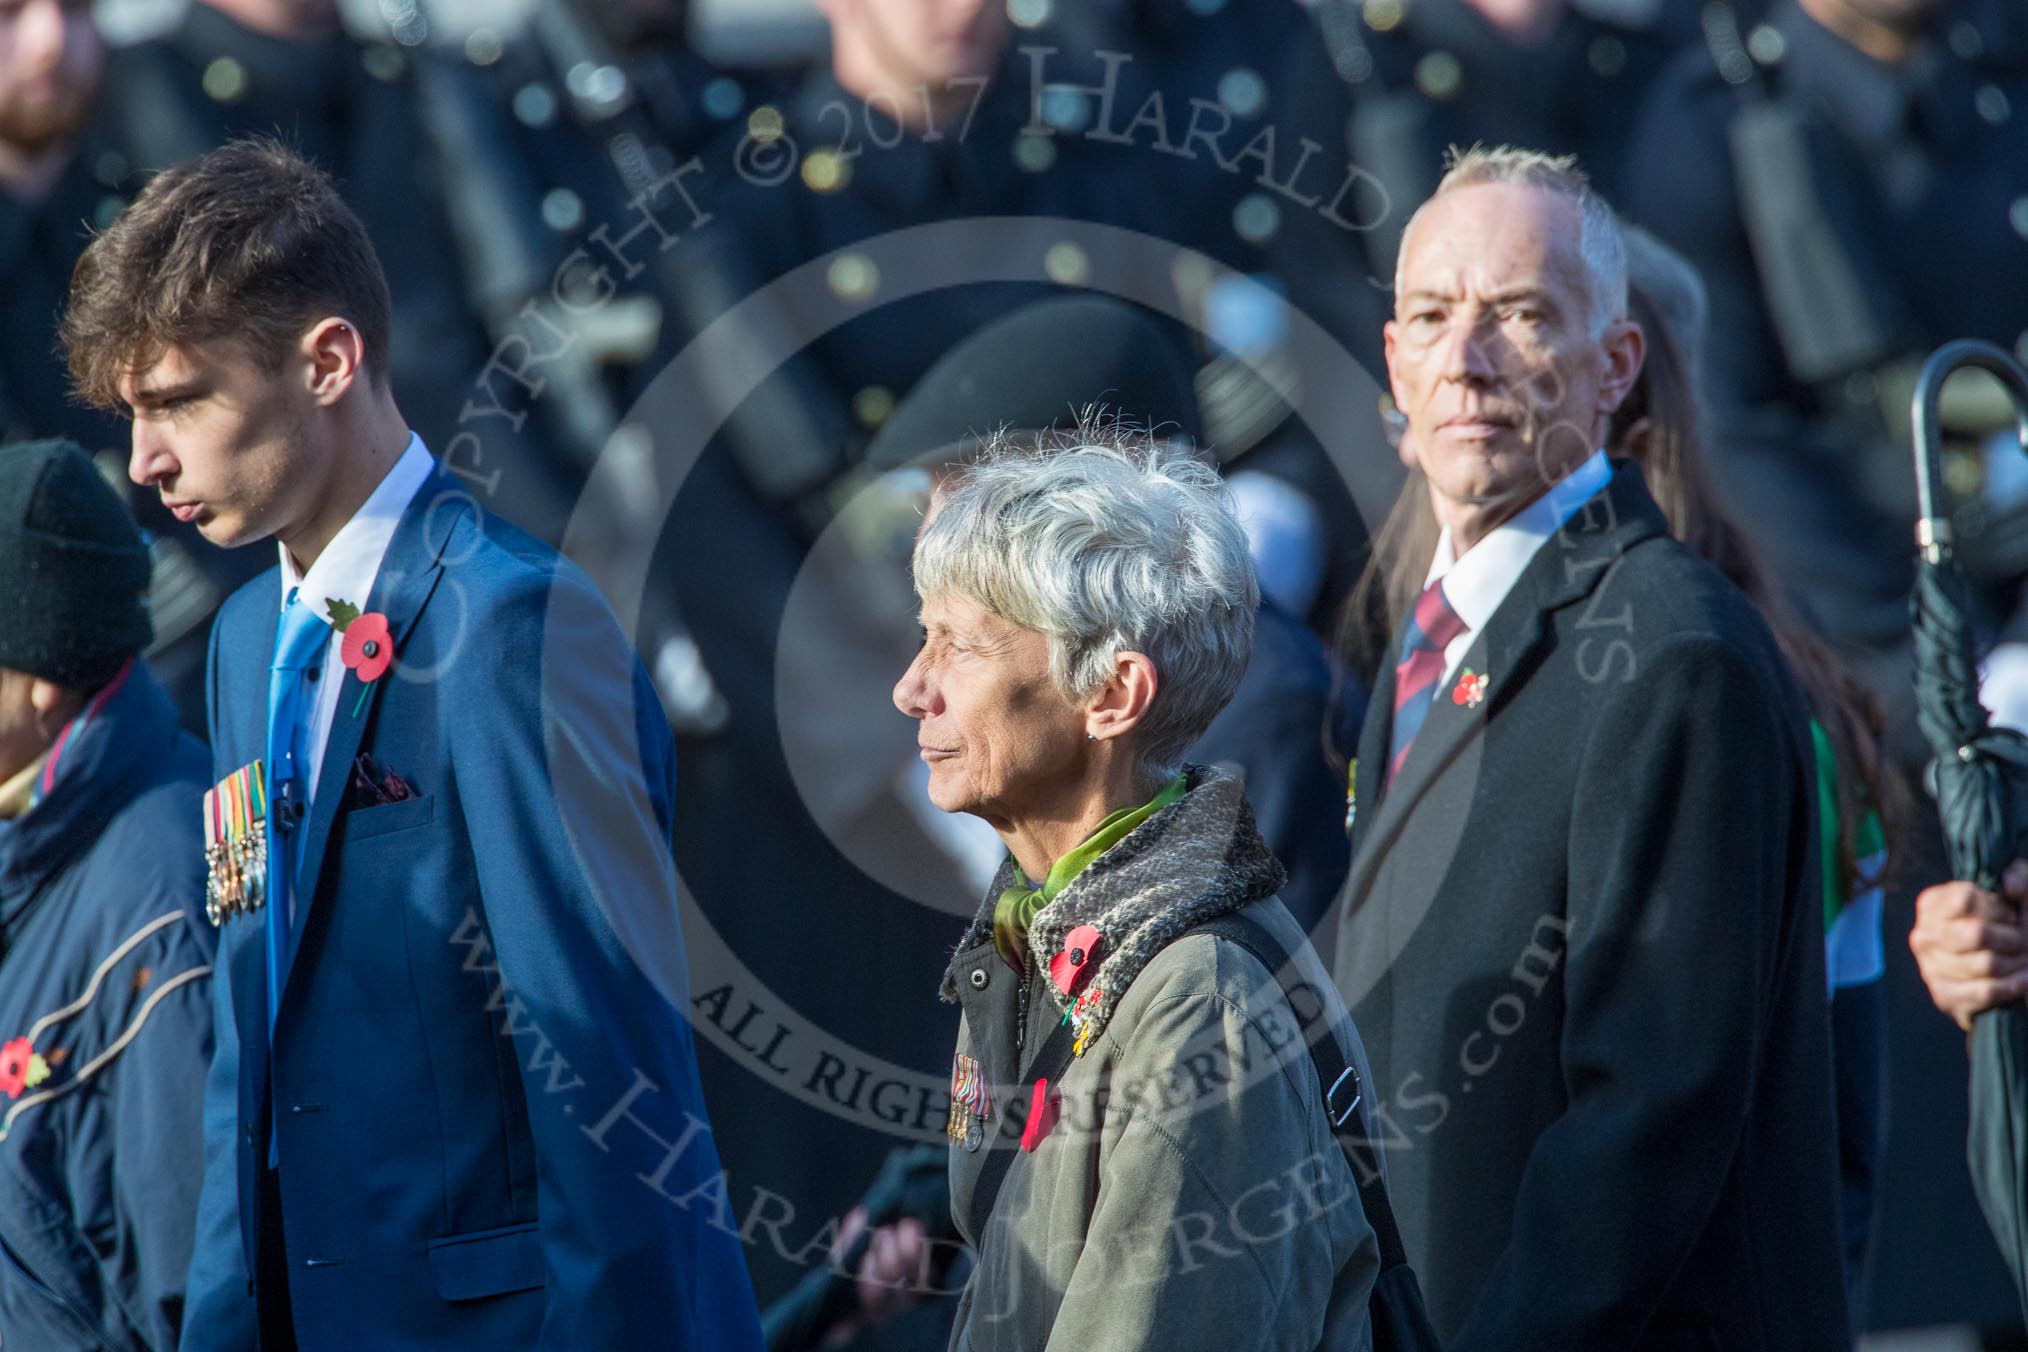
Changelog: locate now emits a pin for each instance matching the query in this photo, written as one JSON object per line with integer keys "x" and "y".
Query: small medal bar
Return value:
{"x": 971, "y": 1104}
{"x": 236, "y": 844}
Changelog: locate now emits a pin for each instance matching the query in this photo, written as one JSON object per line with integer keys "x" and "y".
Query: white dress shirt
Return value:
{"x": 1476, "y": 584}
{"x": 345, "y": 572}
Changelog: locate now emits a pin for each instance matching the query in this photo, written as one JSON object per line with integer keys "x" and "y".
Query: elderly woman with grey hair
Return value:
{"x": 1142, "y": 1153}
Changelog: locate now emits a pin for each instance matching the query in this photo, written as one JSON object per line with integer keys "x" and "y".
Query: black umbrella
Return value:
{"x": 1981, "y": 785}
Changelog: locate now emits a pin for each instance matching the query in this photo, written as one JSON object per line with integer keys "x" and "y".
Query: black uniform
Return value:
{"x": 1392, "y": 86}
{"x": 1909, "y": 181}
{"x": 1114, "y": 67}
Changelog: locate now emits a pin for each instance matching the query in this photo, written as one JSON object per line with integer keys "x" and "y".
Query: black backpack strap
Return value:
{"x": 1339, "y": 1079}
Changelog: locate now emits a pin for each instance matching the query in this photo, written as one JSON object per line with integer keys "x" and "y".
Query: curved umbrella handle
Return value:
{"x": 1933, "y": 531}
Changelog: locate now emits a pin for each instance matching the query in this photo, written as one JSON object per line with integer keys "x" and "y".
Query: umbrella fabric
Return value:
{"x": 1981, "y": 772}
{"x": 1981, "y": 787}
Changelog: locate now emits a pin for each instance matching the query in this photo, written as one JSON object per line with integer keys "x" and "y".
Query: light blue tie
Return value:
{"x": 299, "y": 638}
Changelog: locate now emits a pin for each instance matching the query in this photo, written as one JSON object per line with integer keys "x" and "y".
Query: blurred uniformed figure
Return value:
{"x": 853, "y": 152}
{"x": 913, "y": 121}
{"x": 1103, "y": 61}
{"x": 1392, "y": 83}
{"x": 625, "y": 74}
{"x": 1204, "y": 110}
{"x": 1848, "y": 177}
{"x": 80, "y": 128}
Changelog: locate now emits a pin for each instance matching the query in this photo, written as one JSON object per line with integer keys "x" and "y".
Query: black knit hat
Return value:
{"x": 1038, "y": 368}
{"x": 73, "y": 569}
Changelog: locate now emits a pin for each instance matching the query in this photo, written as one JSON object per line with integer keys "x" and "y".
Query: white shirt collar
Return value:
{"x": 1476, "y": 584}
{"x": 346, "y": 569}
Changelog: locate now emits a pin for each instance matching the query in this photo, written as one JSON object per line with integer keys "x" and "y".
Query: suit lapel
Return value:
{"x": 1567, "y": 568}
{"x": 408, "y": 575}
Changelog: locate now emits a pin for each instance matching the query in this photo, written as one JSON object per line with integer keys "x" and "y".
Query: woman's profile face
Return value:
{"x": 1000, "y": 741}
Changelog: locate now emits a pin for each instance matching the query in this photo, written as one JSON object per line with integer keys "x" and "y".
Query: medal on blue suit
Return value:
{"x": 236, "y": 844}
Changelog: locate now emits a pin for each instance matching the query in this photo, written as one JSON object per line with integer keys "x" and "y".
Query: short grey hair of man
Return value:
{"x": 1599, "y": 242}
{"x": 1105, "y": 541}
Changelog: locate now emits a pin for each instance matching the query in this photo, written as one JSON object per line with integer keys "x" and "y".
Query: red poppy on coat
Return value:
{"x": 368, "y": 647}
{"x": 14, "y": 1059}
{"x": 1075, "y": 963}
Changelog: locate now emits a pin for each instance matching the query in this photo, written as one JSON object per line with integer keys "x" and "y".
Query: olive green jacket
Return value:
{"x": 1189, "y": 1193}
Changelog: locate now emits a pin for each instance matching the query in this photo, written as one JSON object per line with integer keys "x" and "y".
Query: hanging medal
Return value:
{"x": 236, "y": 844}
{"x": 971, "y": 1103}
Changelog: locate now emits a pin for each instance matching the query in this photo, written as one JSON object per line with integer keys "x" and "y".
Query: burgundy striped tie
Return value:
{"x": 1416, "y": 676}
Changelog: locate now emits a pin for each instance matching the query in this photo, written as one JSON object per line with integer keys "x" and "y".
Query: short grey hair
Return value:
{"x": 1105, "y": 540}
{"x": 1599, "y": 241}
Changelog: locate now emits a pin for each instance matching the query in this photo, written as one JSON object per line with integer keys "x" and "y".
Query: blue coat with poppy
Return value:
{"x": 105, "y": 1030}
{"x": 483, "y": 1094}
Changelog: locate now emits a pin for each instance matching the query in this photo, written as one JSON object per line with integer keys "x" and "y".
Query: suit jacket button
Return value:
{"x": 979, "y": 978}
{"x": 249, "y": 1133}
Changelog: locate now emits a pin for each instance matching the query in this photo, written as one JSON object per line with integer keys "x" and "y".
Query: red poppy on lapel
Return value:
{"x": 1470, "y": 689}
{"x": 1076, "y": 962}
{"x": 368, "y": 647}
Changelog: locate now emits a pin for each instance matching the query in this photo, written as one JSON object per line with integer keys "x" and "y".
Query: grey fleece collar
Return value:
{"x": 1193, "y": 861}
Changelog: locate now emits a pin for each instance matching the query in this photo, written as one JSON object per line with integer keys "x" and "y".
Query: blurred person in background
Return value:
{"x": 1846, "y": 177}
{"x": 105, "y": 952}
{"x": 1388, "y": 85}
{"x": 80, "y": 129}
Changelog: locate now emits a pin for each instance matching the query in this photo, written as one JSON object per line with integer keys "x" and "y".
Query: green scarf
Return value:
{"x": 1018, "y": 904}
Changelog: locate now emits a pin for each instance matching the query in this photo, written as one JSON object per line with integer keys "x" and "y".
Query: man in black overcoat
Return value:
{"x": 1583, "y": 928}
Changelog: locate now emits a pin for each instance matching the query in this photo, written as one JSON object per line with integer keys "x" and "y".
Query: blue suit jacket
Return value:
{"x": 484, "y": 1086}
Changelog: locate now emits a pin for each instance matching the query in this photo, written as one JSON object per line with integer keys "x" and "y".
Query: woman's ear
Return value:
{"x": 1124, "y": 700}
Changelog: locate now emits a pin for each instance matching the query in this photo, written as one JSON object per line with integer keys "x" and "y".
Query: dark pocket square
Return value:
{"x": 370, "y": 786}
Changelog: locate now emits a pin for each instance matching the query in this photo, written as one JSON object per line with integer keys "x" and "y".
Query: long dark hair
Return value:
{"x": 1658, "y": 427}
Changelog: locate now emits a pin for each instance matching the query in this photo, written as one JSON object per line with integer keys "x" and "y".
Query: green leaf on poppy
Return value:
{"x": 38, "y": 1071}
{"x": 342, "y": 612}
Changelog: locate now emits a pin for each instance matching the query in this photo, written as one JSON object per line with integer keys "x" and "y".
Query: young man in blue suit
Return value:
{"x": 451, "y": 1106}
